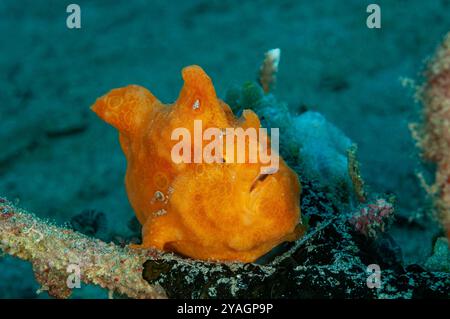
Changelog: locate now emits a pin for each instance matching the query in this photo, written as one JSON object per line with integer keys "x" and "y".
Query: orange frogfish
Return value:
{"x": 209, "y": 198}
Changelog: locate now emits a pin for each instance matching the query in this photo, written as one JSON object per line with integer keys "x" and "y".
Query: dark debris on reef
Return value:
{"x": 329, "y": 262}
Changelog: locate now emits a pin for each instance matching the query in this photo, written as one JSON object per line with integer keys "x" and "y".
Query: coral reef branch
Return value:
{"x": 435, "y": 136}
{"x": 58, "y": 254}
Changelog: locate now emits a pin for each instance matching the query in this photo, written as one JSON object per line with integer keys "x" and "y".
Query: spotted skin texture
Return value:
{"x": 225, "y": 210}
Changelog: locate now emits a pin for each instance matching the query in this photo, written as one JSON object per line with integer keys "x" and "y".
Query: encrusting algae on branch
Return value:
{"x": 57, "y": 253}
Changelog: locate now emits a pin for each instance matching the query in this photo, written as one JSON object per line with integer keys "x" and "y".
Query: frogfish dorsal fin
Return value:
{"x": 198, "y": 91}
